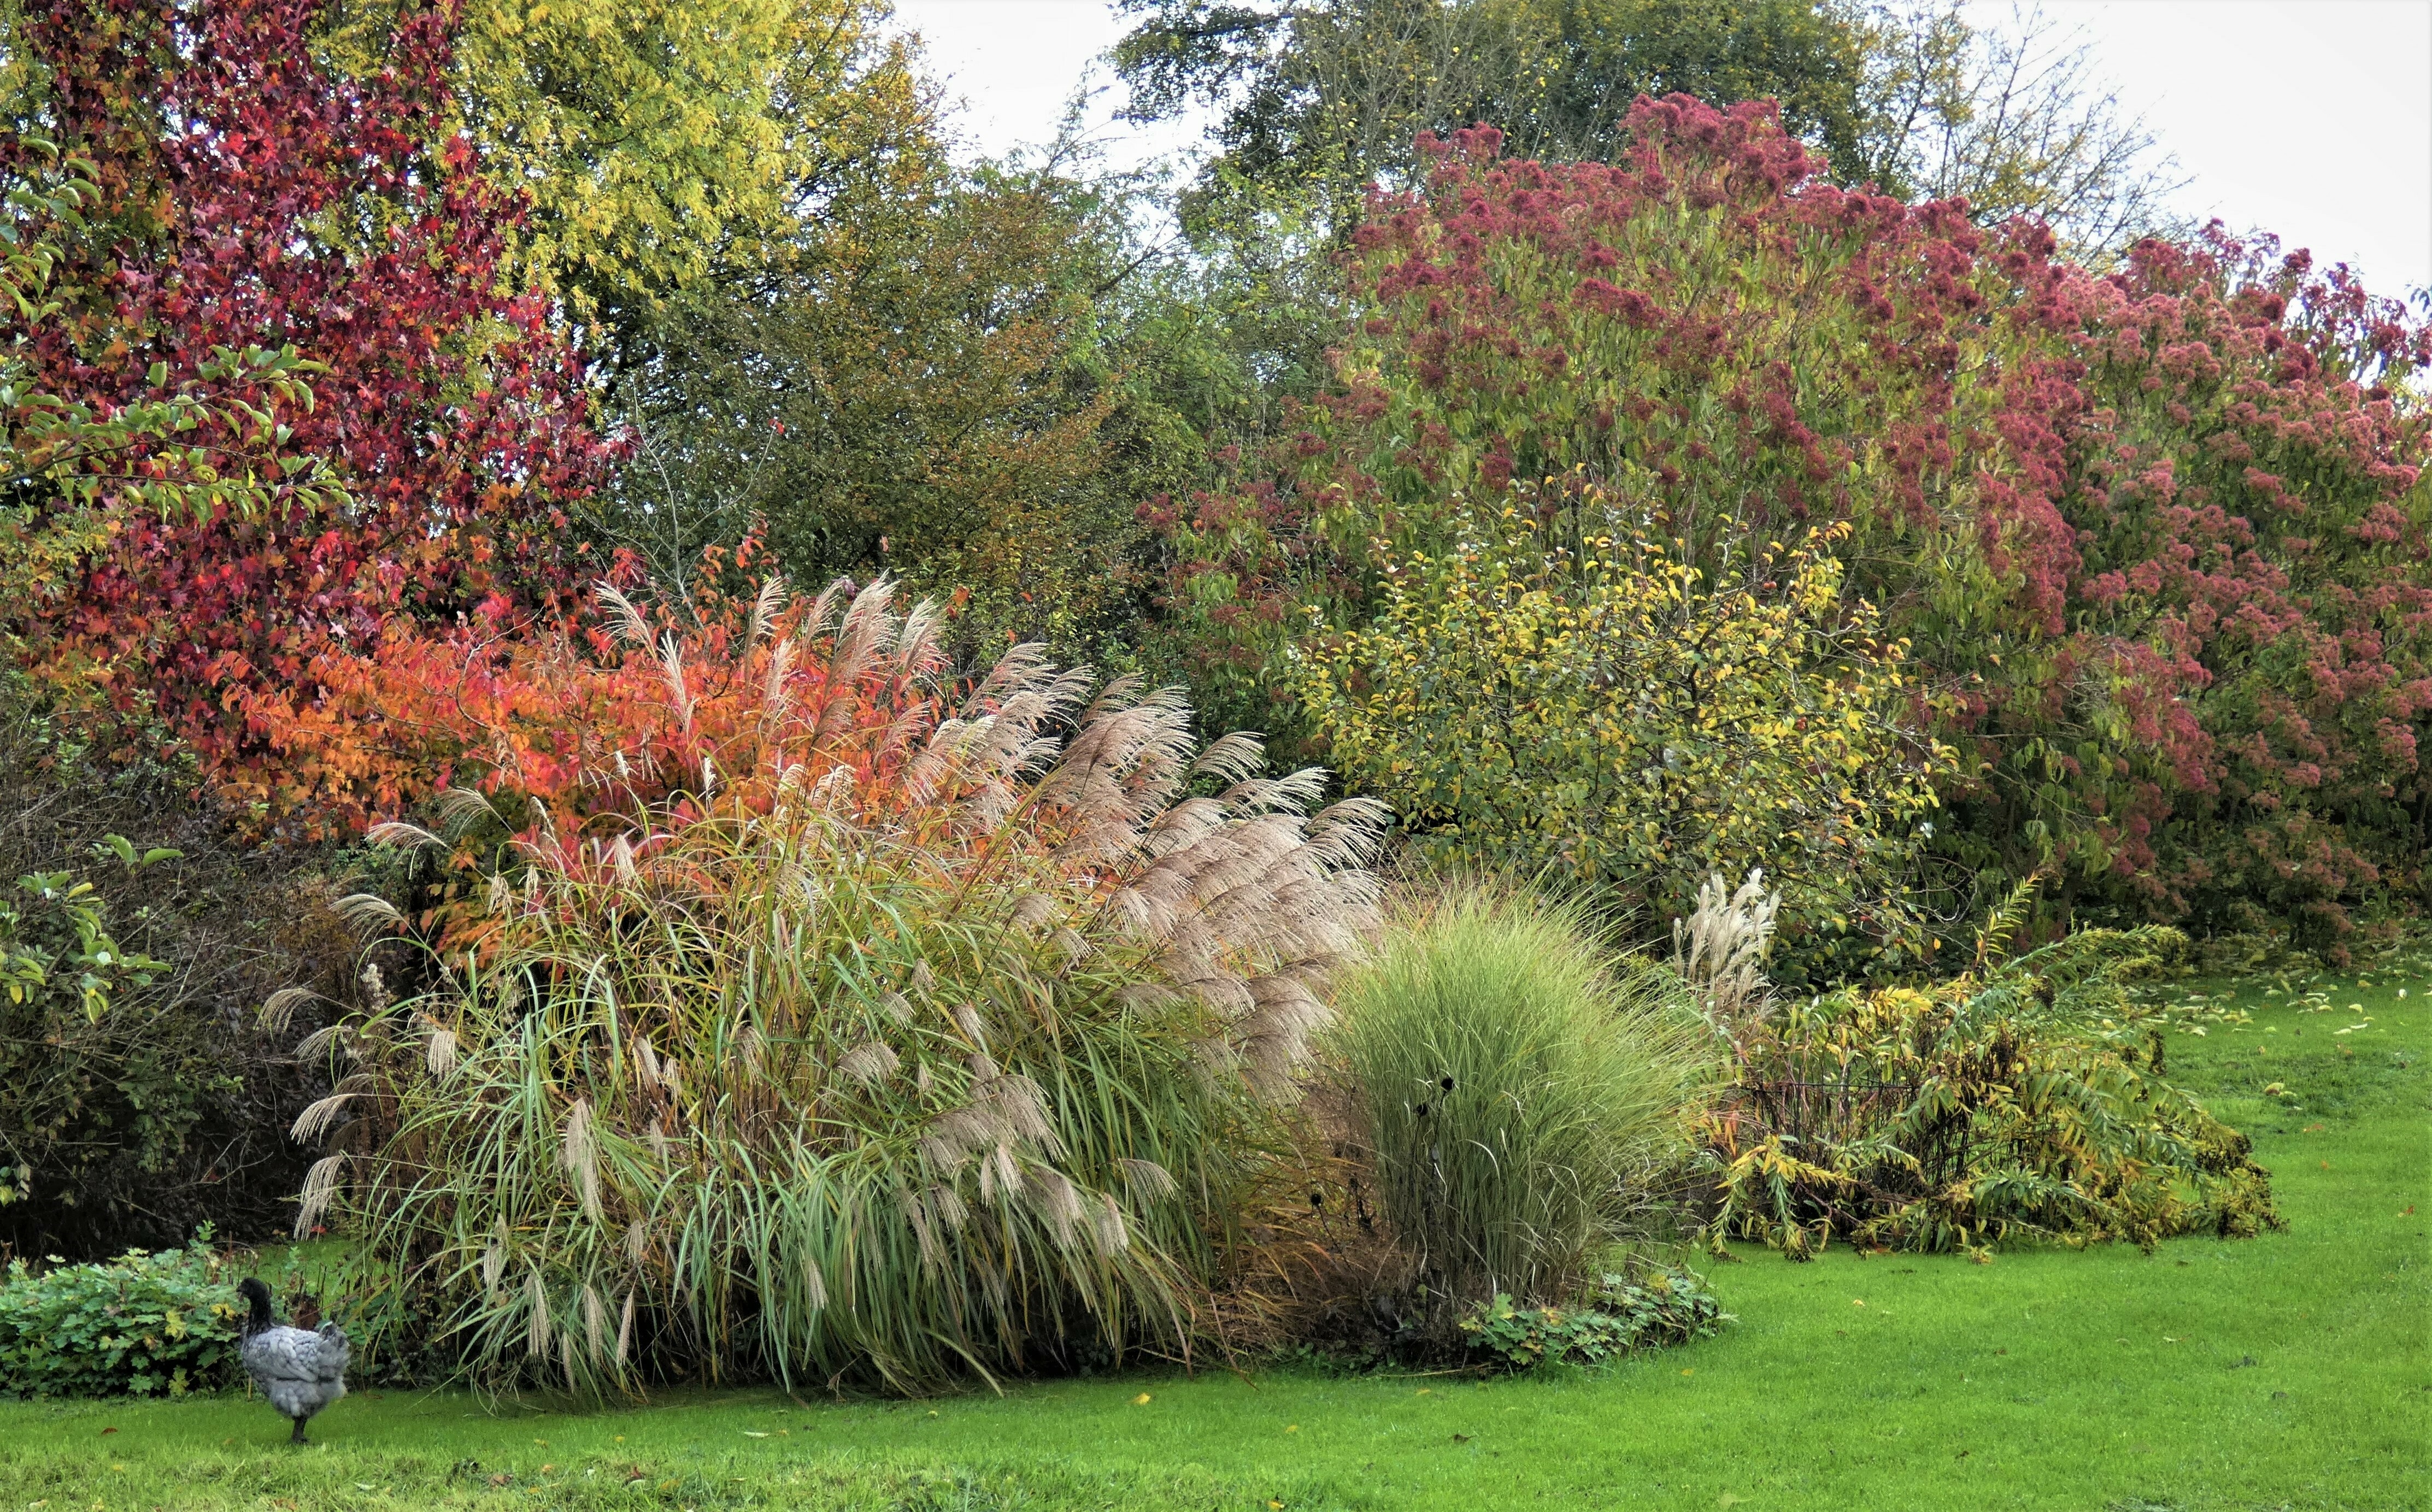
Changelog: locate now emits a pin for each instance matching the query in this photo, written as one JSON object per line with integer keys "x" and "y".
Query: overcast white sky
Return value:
{"x": 2310, "y": 118}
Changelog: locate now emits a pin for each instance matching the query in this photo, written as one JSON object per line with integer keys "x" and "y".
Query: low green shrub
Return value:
{"x": 2025, "y": 1099}
{"x": 1520, "y": 1092}
{"x": 1621, "y": 1316}
{"x": 142, "y": 1324}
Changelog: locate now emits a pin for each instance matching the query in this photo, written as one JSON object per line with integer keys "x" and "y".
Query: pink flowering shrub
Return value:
{"x": 2157, "y": 536}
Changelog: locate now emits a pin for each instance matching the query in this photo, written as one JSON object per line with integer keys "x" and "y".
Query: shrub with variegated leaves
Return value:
{"x": 936, "y": 1038}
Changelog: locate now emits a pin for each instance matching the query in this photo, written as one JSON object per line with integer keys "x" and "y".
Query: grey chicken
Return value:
{"x": 300, "y": 1373}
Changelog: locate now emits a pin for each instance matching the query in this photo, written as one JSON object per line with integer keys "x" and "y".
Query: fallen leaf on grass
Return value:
{"x": 1140, "y": 1401}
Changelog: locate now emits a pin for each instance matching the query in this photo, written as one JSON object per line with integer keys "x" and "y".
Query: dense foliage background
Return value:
{"x": 1604, "y": 447}
{"x": 2156, "y": 539}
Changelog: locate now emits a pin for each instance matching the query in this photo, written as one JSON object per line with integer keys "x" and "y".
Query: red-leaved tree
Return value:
{"x": 248, "y": 199}
{"x": 2162, "y": 535}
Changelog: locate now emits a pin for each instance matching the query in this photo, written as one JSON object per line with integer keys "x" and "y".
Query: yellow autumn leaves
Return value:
{"x": 1595, "y": 708}
{"x": 660, "y": 142}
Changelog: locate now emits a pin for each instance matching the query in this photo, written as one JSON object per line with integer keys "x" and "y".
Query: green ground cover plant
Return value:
{"x": 139, "y": 1324}
{"x": 1667, "y": 1306}
{"x": 2288, "y": 1370}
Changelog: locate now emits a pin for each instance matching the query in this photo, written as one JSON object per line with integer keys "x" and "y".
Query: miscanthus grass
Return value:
{"x": 937, "y": 1048}
{"x": 1523, "y": 1093}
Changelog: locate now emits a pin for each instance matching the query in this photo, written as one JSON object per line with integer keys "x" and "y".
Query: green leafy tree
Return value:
{"x": 1577, "y": 65}
{"x": 1323, "y": 97}
{"x": 666, "y": 145}
{"x": 938, "y": 387}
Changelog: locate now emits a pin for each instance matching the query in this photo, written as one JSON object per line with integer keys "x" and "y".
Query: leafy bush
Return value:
{"x": 1518, "y": 1092}
{"x": 1622, "y": 1316}
{"x": 2022, "y": 1101}
{"x": 1563, "y": 698}
{"x": 2155, "y": 538}
{"x": 142, "y": 1100}
{"x": 139, "y": 1324}
{"x": 912, "y": 1044}
{"x": 92, "y": 1084}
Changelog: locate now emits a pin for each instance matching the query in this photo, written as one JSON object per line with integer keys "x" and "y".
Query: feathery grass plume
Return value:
{"x": 313, "y": 1124}
{"x": 1521, "y": 1090}
{"x": 280, "y": 1011}
{"x": 1719, "y": 951}
{"x": 811, "y": 1072}
{"x": 320, "y": 1191}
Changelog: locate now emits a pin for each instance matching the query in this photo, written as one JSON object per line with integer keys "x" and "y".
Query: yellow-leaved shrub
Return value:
{"x": 1560, "y": 696}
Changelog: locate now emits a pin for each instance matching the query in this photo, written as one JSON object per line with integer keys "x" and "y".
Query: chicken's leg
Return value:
{"x": 297, "y": 1437}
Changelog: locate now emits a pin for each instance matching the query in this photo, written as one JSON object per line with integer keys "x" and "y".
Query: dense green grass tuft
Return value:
{"x": 2088, "y": 1381}
{"x": 1518, "y": 1089}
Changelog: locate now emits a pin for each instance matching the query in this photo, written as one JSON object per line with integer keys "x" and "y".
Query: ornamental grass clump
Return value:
{"x": 1523, "y": 1095}
{"x": 929, "y": 1043}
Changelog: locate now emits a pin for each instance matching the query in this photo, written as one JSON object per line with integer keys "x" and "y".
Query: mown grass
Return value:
{"x": 2287, "y": 1371}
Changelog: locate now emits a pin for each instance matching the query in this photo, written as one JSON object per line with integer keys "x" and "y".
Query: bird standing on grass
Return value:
{"x": 299, "y": 1372}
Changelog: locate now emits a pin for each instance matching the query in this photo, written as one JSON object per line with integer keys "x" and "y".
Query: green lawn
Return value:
{"x": 2288, "y": 1372}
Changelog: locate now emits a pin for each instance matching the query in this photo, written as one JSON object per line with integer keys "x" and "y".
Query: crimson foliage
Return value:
{"x": 2158, "y": 534}
{"x": 247, "y": 197}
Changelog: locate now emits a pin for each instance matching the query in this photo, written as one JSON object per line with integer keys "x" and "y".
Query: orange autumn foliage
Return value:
{"x": 577, "y": 727}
